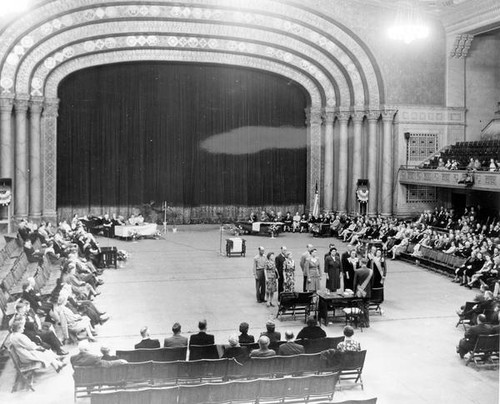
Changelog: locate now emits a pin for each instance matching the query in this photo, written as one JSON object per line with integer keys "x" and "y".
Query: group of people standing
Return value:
{"x": 277, "y": 273}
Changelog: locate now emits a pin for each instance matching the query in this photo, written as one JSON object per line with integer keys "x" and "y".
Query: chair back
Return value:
{"x": 203, "y": 352}
{"x": 153, "y": 354}
{"x": 353, "y": 360}
{"x": 273, "y": 389}
{"x": 165, "y": 372}
{"x": 203, "y": 369}
{"x": 193, "y": 394}
{"x": 487, "y": 343}
{"x": 323, "y": 385}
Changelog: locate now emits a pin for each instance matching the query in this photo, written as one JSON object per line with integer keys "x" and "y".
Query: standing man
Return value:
{"x": 280, "y": 263}
{"x": 363, "y": 289}
{"x": 259, "y": 262}
{"x": 303, "y": 258}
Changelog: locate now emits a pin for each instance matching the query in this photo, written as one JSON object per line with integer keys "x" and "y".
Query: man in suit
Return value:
{"x": 363, "y": 289}
{"x": 202, "y": 338}
{"x": 303, "y": 258}
{"x": 147, "y": 342}
{"x": 259, "y": 262}
{"x": 290, "y": 347}
{"x": 176, "y": 340}
{"x": 467, "y": 343}
{"x": 263, "y": 350}
{"x": 85, "y": 358}
{"x": 280, "y": 261}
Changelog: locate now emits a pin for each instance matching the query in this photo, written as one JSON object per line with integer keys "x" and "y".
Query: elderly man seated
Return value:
{"x": 235, "y": 350}
{"x": 85, "y": 358}
{"x": 467, "y": 343}
{"x": 263, "y": 350}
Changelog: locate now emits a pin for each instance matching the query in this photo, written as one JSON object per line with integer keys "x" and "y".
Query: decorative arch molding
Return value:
{"x": 132, "y": 55}
{"x": 291, "y": 21}
{"x": 285, "y": 37}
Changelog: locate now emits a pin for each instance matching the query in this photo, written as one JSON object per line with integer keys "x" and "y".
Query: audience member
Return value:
{"x": 263, "y": 350}
{"x": 105, "y": 351}
{"x": 235, "y": 350}
{"x": 467, "y": 343}
{"x": 29, "y": 352}
{"x": 176, "y": 340}
{"x": 244, "y": 338}
{"x": 85, "y": 358}
{"x": 202, "y": 338}
{"x": 146, "y": 341}
{"x": 274, "y": 336}
{"x": 312, "y": 330}
{"x": 290, "y": 347}
{"x": 348, "y": 344}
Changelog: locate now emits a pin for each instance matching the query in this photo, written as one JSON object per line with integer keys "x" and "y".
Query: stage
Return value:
{"x": 182, "y": 277}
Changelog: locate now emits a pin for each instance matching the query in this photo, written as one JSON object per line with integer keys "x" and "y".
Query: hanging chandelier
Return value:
{"x": 408, "y": 24}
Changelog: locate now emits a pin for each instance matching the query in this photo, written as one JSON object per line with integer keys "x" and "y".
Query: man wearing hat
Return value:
{"x": 259, "y": 263}
{"x": 274, "y": 336}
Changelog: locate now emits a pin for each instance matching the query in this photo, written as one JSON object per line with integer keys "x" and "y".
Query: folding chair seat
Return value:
{"x": 352, "y": 366}
{"x": 323, "y": 385}
{"x": 165, "y": 372}
{"x": 273, "y": 390}
{"x": 193, "y": 394}
{"x": 203, "y": 369}
{"x": 203, "y": 352}
{"x": 24, "y": 372}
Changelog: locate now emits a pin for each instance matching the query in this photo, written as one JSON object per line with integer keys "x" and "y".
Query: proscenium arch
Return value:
{"x": 291, "y": 18}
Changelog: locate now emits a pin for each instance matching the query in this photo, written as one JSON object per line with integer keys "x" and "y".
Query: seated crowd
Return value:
{"x": 269, "y": 343}
{"x": 42, "y": 325}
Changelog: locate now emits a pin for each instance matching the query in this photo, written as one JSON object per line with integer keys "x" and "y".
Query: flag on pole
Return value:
{"x": 315, "y": 210}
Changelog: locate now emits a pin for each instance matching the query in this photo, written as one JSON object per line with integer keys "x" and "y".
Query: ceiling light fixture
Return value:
{"x": 408, "y": 24}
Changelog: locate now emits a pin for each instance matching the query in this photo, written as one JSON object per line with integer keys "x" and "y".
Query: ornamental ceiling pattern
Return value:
{"x": 334, "y": 66}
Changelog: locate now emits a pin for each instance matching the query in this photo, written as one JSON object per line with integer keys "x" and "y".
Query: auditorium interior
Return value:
{"x": 192, "y": 127}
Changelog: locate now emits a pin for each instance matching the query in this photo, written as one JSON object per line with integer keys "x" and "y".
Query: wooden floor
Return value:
{"x": 411, "y": 348}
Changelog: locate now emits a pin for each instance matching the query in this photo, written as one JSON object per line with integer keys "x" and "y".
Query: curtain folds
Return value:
{"x": 189, "y": 134}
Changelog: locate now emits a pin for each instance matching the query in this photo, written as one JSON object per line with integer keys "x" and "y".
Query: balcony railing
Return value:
{"x": 477, "y": 180}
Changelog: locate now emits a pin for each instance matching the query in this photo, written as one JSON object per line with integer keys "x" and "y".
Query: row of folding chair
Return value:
{"x": 350, "y": 364}
{"x": 276, "y": 390}
{"x": 11, "y": 249}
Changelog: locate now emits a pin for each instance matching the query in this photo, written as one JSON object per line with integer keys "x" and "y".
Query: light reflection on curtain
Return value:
{"x": 184, "y": 133}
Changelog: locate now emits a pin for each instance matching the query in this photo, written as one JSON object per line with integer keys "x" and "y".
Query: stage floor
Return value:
{"x": 411, "y": 348}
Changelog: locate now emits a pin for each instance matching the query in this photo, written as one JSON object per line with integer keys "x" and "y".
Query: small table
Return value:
{"x": 331, "y": 302}
{"x": 140, "y": 230}
{"x": 235, "y": 246}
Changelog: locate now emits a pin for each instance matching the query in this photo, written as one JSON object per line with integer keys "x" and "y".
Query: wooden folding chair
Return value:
{"x": 352, "y": 366}
{"x": 486, "y": 351}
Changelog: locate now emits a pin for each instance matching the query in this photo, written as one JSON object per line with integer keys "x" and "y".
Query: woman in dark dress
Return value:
{"x": 332, "y": 270}
{"x": 379, "y": 268}
{"x": 348, "y": 270}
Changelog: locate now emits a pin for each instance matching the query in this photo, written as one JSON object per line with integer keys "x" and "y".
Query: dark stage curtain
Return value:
{"x": 188, "y": 134}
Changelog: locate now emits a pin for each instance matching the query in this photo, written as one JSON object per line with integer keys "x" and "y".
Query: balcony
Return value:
{"x": 482, "y": 180}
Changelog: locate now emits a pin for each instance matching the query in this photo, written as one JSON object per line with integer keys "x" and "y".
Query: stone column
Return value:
{"x": 6, "y": 140}
{"x": 329, "y": 118}
{"x": 356, "y": 156}
{"x": 387, "y": 163}
{"x": 35, "y": 208}
{"x": 313, "y": 121}
{"x": 342, "y": 183}
{"x": 21, "y": 189}
{"x": 373, "y": 158}
{"x": 49, "y": 158}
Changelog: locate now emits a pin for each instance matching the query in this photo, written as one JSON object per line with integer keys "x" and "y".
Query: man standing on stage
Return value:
{"x": 259, "y": 262}
{"x": 280, "y": 262}
{"x": 303, "y": 258}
